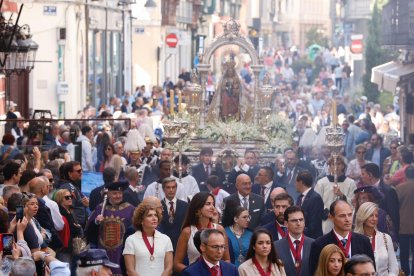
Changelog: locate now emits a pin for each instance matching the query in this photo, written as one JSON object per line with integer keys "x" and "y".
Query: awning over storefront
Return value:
{"x": 388, "y": 75}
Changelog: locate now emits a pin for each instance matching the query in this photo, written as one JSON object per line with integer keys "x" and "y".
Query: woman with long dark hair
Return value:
{"x": 199, "y": 216}
{"x": 113, "y": 160}
{"x": 261, "y": 258}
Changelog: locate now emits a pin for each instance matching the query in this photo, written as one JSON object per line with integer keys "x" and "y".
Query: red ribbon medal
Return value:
{"x": 348, "y": 244}
{"x": 280, "y": 230}
{"x": 148, "y": 245}
{"x": 260, "y": 269}
{"x": 296, "y": 252}
{"x": 373, "y": 242}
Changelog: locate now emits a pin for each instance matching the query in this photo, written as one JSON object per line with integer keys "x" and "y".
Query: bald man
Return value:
{"x": 39, "y": 186}
{"x": 245, "y": 198}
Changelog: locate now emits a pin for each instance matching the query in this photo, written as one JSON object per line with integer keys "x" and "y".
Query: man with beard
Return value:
{"x": 111, "y": 223}
{"x": 277, "y": 228}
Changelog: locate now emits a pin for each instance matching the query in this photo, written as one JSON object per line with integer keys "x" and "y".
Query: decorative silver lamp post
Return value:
{"x": 334, "y": 138}
{"x": 175, "y": 131}
{"x": 194, "y": 95}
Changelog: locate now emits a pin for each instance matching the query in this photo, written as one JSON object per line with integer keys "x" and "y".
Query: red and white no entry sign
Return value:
{"x": 356, "y": 44}
{"x": 171, "y": 40}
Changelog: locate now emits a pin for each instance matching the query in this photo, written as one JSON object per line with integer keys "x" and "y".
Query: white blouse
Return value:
{"x": 385, "y": 260}
{"x": 135, "y": 245}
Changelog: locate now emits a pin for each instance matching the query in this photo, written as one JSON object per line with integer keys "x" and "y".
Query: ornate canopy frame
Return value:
{"x": 230, "y": 36}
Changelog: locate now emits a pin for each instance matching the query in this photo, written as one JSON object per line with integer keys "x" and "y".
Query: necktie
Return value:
{"x": 171, "y": 213}
{"x": 263, "y": 192}
{"x": 245, "y": 203}
{"x": 284, "y": 228}
{"x": 215, "y": 270}
{"x": 299, "y": 202}
{"x": 344, "y": 242}
{"x": 208, "y": 170}
{"x": 289, "y": 176}
{"x": 297, "y": 242}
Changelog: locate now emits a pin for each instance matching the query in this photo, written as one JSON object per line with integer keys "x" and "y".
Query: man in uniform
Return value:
{"x": 110, "y": 220}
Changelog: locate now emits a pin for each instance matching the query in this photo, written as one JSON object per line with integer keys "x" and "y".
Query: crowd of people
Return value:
{"x": 156, "y": 212}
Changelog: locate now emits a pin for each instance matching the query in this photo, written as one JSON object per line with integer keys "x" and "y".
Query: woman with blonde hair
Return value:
{"x": 331, "y": 261}
{"x": 147, "y": 251}
{"x": 366, "y": 221}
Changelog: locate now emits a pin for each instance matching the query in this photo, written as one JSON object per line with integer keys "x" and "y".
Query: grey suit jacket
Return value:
{"x": 283, "y": 251}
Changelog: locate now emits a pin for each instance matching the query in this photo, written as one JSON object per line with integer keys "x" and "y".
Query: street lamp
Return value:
{"x": 150, "y": 5}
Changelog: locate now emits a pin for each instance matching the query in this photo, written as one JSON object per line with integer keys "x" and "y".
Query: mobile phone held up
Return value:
{"x": 19, "y": 213}
{"x": 7, "y": 240}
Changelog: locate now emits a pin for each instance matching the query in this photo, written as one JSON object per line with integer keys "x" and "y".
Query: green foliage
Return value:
{"x": 385, "y": 98}
{"x": 314, "y": 36}
{"x": 374, "y": 54}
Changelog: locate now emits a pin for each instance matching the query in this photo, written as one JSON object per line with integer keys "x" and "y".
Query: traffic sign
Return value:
{"x": 171, "y": 40}
{"x": 356, "y": 44}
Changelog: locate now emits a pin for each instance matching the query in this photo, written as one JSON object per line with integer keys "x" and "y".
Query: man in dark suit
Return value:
{"x": 205, "y": 168}
{"x": 210, "y": 264}
{"x": 174, "y": 211}
{"x": 311, "y": 203}
{"x": 264, "y": 186}
{"x": 295, "y": 242}
{"x": 248, "y": 165}
{"x": 270, "y": 216}
{"x": 351, "y": 243}
{"x": 133, "y": 192}
{"x": 377, "y": 153}
{"x": 96, "y": 196}
{"x": 291, "y": 171}
{"x": 370, "y": 176}
{"x": 277, "y": 228}
{"x": 252, "y": 202}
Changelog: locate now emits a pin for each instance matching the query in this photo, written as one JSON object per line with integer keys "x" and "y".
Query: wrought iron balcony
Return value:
{"x": 398, "y": 25}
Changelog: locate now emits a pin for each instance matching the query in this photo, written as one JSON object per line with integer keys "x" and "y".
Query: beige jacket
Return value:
{"x": 248, "y": 268}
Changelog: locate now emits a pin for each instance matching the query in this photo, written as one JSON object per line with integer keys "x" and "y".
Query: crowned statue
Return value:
{"x": 229, "y": 101}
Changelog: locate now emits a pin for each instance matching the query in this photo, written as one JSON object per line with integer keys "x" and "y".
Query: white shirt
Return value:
{"x": 292, "y": 239}
{"x": 242, "y": 200}
{"x": 210, "y": 265}
{"x": 219, "y": 198}
{"x": 54, "y": 210}
{"x": 167, "y": 203}
{"x": 268, "y": 187}
{"x": 340, "y": 238}
{"x": 155, "y": 189}
{"x": 385, "y": 259}
{"x": 135, "y": 245}
{"x": 305, "y": 193}
{"x": 190, "y": 186}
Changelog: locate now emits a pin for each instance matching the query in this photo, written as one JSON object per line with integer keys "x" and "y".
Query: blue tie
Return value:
{"x": 344, "y": 242}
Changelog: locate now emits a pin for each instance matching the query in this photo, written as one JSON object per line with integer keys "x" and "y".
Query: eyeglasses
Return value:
{"x": 301, "y": 220}
{"x": 217, "y": 247}
{"x": 68, "y": 197}
{"x": 78, "y": 171}
{"x": 246, "y": 217}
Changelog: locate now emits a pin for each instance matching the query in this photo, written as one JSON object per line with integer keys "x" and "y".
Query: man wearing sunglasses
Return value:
{"x": 72, "y": 172}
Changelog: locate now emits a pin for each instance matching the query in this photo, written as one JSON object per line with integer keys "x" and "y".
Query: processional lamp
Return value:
{"x": 17, "y": 49}
{"x": 335, "y": 140}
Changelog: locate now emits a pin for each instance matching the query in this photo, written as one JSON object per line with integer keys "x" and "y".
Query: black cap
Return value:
{"x": 117, "y": 186}
{"x": 372, "y": 190}
{"x": 92, "y": 257}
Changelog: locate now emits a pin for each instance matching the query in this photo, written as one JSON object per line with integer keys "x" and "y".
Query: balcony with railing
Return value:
{"x": 397, "y": 26}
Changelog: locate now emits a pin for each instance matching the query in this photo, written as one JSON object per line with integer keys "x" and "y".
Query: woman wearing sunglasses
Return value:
{"x": 71, "y": 229}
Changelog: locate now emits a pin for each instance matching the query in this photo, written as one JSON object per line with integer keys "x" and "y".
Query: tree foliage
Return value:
{"x": 374, "y": 55}
{"x": 315, "y": 36}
